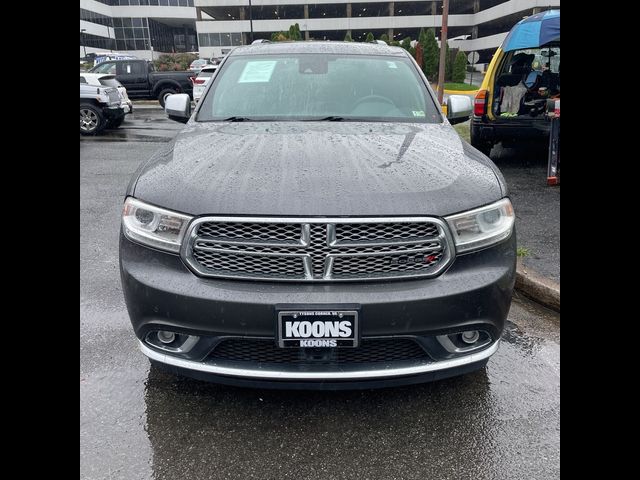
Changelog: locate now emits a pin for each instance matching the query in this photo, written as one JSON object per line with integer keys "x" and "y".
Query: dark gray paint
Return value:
{"x": 313, "y": 168}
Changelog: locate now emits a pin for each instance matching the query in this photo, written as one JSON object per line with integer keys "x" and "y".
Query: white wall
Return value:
{"x": 96, "y": 29}
{"x": 155, "y": 12}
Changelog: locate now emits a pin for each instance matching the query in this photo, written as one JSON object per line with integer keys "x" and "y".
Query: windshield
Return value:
{"x": 316, "y": 86}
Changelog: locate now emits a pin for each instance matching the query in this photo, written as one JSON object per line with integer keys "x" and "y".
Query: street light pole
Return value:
{"x": 82, "y": 41}
{"x": 443, "y": 50}
{"x": 109, "y": 35}
{"x": 251, "y": 19}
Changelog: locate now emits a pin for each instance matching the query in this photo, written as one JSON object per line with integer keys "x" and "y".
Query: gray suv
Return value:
{"x": 317, "y": 224}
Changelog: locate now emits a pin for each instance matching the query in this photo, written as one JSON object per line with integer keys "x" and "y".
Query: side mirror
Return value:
{"x": 178, "y": 107}
{"x": 459, "y": 108}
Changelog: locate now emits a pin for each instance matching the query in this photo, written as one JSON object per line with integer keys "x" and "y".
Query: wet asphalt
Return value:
{"x": 137, "y": 422}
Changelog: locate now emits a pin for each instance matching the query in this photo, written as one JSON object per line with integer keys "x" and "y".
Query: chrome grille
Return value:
{"x": 275, "y": 232}
{"x": 356, "y": 232}
{"x": 317, "y": 249}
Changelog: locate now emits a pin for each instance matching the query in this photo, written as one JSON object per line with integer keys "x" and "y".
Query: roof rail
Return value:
{"x": 260, "y": 40}
{"x": 380, "y": 42}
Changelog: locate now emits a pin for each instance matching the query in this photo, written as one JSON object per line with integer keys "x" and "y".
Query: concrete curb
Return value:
{"x": 537, "y": 287}
{"x": 460, "y": 92}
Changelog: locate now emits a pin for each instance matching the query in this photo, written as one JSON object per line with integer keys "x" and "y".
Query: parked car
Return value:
{"x": 319, "y": 224}
{"x": 104, "y": 79}
{"x": 197, "y": 65}
{"x": 99, "y": 106}
{"x": 142, "y": 81}
{"x": 200, "y": 82}
{"x": 523, "y": 74}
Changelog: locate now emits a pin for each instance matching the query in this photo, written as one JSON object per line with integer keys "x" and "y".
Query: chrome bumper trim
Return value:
{"x": 269, "y": 374}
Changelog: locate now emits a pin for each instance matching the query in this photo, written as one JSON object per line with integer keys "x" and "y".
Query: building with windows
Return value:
{"x": 139, "y": 27}
{"x": 171, "y": 25}
{"x": 479, "y": 25}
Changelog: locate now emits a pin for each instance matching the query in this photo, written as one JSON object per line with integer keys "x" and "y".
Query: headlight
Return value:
{"x": 482, "y": 227}
{"x": 153, "y": 226}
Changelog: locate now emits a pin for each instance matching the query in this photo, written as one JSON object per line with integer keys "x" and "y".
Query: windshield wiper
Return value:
{"x": 237, "y": 119}
{"x": 330, "y": 118}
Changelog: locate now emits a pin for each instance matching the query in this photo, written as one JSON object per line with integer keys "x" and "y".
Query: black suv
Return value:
{"x": 317, "y": 224}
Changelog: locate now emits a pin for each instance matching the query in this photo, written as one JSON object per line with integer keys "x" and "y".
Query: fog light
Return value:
{"x": 470, "y": 336}
{"x": 166, "y": 337}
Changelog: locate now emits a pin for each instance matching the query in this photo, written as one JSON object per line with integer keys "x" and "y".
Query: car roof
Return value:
{"x": 344, "y": 48}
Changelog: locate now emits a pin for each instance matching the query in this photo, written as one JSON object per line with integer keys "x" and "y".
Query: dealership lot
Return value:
{"x": 137, "y": 422}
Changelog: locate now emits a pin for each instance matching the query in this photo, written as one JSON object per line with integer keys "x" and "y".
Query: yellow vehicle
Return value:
{"x": 523, "y": 74}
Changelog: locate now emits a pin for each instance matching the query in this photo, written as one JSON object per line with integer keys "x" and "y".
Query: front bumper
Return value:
{"x": 474, "y": 293}
{"x": 113, "y": 113}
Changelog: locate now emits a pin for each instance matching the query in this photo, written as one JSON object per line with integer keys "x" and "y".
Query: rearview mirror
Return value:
{"x": 459, "y": 108}
{"x": 178, "y": 107}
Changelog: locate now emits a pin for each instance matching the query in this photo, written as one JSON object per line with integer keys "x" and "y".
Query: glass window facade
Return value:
{"x": 93, "y": 17}
{"x": 167, "y": 3}
{"x": 220, "y": 39}
{"x": 95, "y": 41}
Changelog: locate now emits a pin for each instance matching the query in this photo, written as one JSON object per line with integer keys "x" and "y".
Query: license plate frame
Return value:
{"x": 316, "y": 337}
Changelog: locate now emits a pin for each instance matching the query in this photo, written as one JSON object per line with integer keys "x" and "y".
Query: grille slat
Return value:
{"x": 317, "y": 249}
{"x": 267, "y": 352}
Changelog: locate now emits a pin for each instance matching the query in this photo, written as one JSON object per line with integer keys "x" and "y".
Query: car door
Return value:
{"x": 133, "y": 75}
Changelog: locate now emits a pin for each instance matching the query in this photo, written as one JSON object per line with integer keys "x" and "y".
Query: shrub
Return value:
{"x": 406, "y": 43}
{"x": 459, "y": 67}
{"x": 174, "y": 61}
{"x": 385, "y": 38}
{"x": 370, "y": 38}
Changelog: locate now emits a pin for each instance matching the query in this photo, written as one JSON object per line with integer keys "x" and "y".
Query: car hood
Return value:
{"x": 317, "y": 168}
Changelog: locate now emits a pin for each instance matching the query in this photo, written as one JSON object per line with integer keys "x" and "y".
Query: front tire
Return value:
{"x": 92, "y": 120}
{"x": 162, "y": 96}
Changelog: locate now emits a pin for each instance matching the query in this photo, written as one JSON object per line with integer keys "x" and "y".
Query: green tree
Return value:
{"x": 406, "y": 43}
{"x": 448, "y": 68}
{"x": 385, "y": 38}
{"x": 459, "y": 67}
{"x": 294, "y": 32}
{"x": 431, "y": 55}
{"x": 347, "y": 37}
{"x": 370, "y": 38}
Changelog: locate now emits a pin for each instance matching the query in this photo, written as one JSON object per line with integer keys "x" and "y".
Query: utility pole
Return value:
{"x": 251, "y": 20}
{"x": 443, "y": 50}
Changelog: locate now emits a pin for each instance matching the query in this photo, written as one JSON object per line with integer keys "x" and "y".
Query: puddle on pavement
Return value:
{"x": 502, "y": 422}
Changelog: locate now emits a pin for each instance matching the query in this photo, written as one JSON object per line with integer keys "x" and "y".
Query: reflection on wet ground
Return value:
{"x": 502, "y": 422}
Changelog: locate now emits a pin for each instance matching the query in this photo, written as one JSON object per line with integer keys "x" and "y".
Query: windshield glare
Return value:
{"x": 316, "y": 86}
